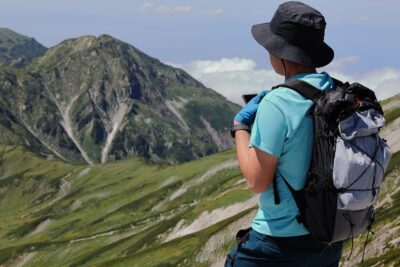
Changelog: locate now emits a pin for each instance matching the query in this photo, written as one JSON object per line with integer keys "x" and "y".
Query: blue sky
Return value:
{"x": 365, "y": 34}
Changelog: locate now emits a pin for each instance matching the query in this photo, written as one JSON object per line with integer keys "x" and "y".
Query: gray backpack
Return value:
{"x": 348, "y": 162}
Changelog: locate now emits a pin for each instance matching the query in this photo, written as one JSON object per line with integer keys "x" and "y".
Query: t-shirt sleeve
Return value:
{"x": 269, "y": 129}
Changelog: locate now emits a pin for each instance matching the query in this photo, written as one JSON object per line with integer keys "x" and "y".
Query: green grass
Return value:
{"x": 394, "y": 162}
{"x": 118, "y": 197}
{"x": 389, "y": 213}
{"x": 390, "y": 258}
{"x": 392, "y": 115}
{"x": 390, "y": 99}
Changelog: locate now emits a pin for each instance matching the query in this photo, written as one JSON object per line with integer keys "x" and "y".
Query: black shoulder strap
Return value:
{"x": 308, "y": 91}
{"x": 303, "y": 88}
{"x": 298, "y": 196}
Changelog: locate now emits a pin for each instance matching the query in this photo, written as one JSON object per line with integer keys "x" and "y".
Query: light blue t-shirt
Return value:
{"x": 283, "y": 129}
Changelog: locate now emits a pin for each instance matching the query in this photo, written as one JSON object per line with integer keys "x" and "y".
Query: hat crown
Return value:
{"x": 299, "y": 24}
{"x": 299, "y": 13}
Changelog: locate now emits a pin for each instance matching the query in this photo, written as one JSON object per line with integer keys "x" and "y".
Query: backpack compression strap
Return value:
{"x": 303, "y": 88}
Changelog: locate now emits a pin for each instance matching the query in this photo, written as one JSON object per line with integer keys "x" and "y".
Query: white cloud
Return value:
{"x": 163, "y": 9}
{"x": 224, "y": 65}
{"x": 364, "y": 18}
{"x": 385, "y": 82}
{"x": 343, "y": 62}
{"x": 146, "y": 6}
{"x": 217, "y": 11}
{"x": 233, "y": 77}
{"x": 182, "y": 9}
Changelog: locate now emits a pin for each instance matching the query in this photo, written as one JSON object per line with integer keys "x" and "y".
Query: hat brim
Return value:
{"x": 317, "y": 57}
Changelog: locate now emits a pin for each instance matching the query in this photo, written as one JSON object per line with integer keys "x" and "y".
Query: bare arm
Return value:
{"x": 258, "y": 167}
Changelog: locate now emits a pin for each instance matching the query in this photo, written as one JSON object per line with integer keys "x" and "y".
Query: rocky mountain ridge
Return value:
{"x": 94, "y": 99}
{"x": 16, "y": 49}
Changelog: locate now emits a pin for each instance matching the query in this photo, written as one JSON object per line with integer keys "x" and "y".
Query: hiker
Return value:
{"x": 280, "y": 143}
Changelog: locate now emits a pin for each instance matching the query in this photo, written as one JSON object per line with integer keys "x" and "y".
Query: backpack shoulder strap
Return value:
{"x": 303, "y": 88}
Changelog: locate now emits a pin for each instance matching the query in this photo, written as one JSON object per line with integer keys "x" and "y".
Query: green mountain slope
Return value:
{"x": 131, "y": 213}
{"x": 16, "y": 49}
{"x": 96, "y": 99}
{"x": 58, "y": 214}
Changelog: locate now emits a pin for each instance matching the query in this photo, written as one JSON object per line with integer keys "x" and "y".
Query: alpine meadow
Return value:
{"x": 109, "y": 157}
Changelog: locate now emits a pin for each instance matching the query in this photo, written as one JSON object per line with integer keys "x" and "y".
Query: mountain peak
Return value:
{"x": 96, "y": 98}
{"x": 17, "y": 49}
{"x": 12, "y": 35}
{"x": 90, "y": 46}
{"x": 89, "y": 41}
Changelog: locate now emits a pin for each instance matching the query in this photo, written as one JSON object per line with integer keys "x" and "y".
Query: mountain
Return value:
{"x": 133, "y": 213}
{"x": 17, "y": 49}
{"x": 96, "y": 99}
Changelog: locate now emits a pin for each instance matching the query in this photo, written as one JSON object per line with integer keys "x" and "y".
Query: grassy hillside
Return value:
{"x": 57, "y": 214}
{"x": 130, "y": 213}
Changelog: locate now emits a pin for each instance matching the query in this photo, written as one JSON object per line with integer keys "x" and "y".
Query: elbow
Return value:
{"x": 256, "y": 187}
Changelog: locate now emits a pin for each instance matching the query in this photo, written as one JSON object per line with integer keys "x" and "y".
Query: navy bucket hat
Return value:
{"x": 295, "y": 33}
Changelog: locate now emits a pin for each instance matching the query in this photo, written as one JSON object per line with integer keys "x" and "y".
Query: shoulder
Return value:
{"x": 282, "y": 95}
{"x": 283, "y": 98}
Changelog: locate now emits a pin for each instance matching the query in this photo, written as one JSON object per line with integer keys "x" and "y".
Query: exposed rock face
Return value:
{"x": 99, "y": 99}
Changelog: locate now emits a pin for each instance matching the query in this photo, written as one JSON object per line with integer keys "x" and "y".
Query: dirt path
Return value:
{"x": 391, "y": 105}
{"x": 391, "y": 134}
{"x": 22, "y": 260}
{"x": 196, "y": 181}
{"x": 83, "y": 172}
{"x": 64, "y": 190}
{"x": 206, "y": 219}
{"x": 91, "y": 237}
{"x": 41, "y": 227}
{"x": 214, "y": 251}
{"x": 229, "y": 164}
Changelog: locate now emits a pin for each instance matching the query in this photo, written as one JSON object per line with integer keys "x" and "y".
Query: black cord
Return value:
{"x": 347, "y": 217}
{"x": 365, "y": 243}
{"x": 369, "y": 230}
{"x": 284, "y": 68}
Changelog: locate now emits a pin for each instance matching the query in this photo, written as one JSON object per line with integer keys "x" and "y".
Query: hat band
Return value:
{"x": 298, "y": 35}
